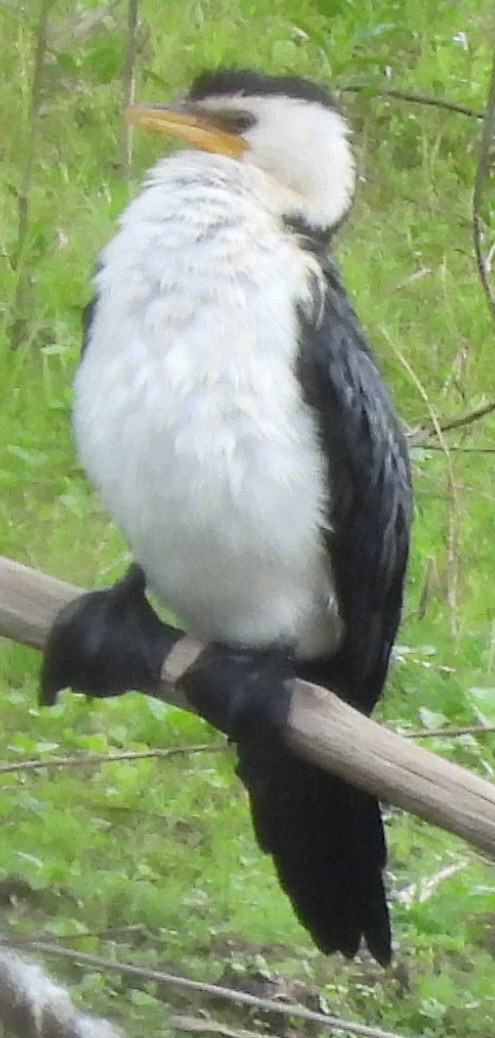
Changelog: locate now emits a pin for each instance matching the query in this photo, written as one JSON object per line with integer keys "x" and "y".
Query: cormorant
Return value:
{"x": 233, "y": 418}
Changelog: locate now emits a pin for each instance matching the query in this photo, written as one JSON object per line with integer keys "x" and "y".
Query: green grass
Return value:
{"x": 164, "y": 847}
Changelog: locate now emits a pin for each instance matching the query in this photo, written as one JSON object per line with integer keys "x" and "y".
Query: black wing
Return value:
{"x": 370, "y": 491}
{"x": 326, "y": 837}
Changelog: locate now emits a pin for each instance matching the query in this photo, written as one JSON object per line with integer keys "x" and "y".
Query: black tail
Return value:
{"x": 326, "y": 837}
{"x": 328, "y": 845}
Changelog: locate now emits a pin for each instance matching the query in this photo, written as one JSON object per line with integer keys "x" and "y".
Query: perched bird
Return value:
{"x": 233, "y": 418}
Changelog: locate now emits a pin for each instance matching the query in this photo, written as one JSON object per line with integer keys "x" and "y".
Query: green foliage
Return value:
{"x": 154, "y": 860}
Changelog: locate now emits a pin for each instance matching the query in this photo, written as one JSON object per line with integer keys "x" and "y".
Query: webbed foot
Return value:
{"x": 106, "y": 642}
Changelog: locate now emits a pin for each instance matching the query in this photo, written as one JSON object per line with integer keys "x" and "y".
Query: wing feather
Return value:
{"x": 370, "y": 489}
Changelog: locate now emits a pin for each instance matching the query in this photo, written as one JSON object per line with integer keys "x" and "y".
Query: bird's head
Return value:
{"x": 290, "y": 128}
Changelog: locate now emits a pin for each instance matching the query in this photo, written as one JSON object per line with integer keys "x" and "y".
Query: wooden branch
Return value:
{"x": 322, "y": 728}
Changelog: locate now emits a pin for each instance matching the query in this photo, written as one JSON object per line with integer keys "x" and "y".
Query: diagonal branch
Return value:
{"x": 430, "y": 100}
{"x": 321, "y": 727}
{"x": 421, "y": 436}
{"x": 451, "y": 733}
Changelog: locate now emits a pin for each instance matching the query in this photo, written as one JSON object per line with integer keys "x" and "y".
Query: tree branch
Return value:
{"x": 321, "y": 727}
{"x": 414, "y": 98}
{"x": 85, "y": 760}
{"x": 449, "y": 733}
{"x": 421, "y": 436}
{"x": 455, "y": 448}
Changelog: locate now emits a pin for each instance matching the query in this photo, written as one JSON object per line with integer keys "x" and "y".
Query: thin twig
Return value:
{"x": 430, "y": 577}
{"x": 421, "y": 436}
{"x": 423, "y": 889}
{"x": 111, "y": 933}
{"x": 411, "y": 278}
{"x": 269, "y": 1005}
{"x": 469, "y": 417}
{"x": 458, "y": 449}
{"x": 482, "y": 172}
{"x": 415, "y": 99}
{"x": 81, "y": 760}
{"x": 129, "y": 82}
{"x": 450, "y": 733}
{"x": 453, "y": 524}
{"x": 410, "y": 95}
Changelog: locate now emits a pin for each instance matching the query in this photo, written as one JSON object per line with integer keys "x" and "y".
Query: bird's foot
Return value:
{"x": 106, "y": 642}
{"x": 244, "y": 693}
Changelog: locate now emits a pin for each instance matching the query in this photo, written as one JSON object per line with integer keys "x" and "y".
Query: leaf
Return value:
{"x": 104, "y": 60}
{"x": 432, "y": 718}
{"x": 482, "y": 700}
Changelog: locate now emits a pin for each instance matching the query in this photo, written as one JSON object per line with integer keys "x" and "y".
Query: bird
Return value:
{"x": 232, "y": 416}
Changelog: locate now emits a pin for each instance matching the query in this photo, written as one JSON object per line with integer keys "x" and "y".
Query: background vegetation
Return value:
{"x": 153, "y": 860}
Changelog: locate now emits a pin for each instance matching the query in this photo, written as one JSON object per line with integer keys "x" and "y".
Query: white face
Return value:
{"x": 302, "y": 145}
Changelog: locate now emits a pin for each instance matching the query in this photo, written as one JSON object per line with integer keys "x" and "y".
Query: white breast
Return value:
{"x": 188, "y": 414}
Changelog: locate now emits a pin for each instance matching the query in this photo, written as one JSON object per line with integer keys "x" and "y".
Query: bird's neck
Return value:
{"x": 203, "y": 171}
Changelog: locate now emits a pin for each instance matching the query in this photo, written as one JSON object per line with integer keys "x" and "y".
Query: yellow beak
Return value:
{"x": 194, "y": 129}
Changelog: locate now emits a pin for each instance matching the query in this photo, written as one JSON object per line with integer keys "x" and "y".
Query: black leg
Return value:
{"x": 243, "y": 693}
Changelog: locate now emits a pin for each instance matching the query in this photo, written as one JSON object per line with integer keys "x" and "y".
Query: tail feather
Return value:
{"x": 327, "y": 842}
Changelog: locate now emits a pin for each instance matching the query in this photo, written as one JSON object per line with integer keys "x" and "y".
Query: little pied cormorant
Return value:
{"x": 232, "y": 416}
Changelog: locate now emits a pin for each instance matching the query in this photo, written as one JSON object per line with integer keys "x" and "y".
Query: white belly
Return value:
{"x": 190, "y": 421}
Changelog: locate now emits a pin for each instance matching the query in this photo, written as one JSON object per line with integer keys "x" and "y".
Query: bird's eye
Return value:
{"x": 236, "y": 122}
